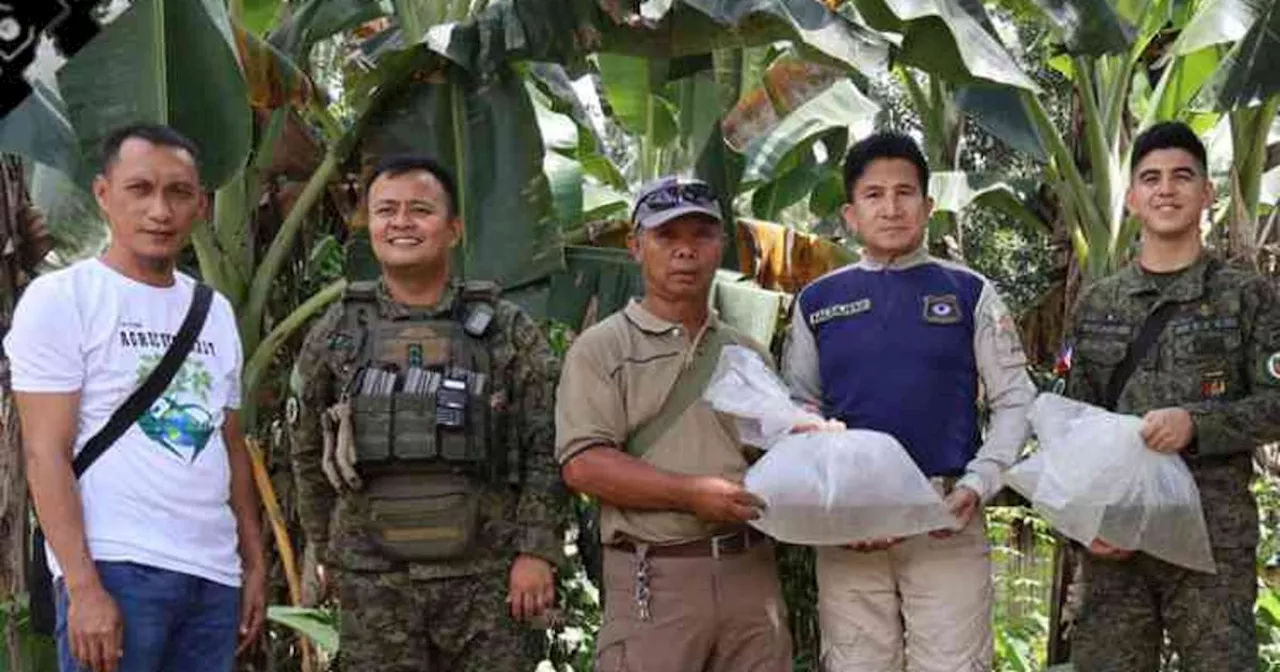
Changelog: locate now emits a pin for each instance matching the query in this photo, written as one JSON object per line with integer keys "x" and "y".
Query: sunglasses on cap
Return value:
{"x": 667, "y": 197}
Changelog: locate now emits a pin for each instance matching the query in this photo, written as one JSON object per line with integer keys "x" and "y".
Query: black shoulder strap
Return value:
{"x": 1147, "y": 337}
{"x": 151, "y": 389}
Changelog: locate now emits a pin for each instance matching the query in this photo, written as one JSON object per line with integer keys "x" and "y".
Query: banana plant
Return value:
{"x": 1117, "y": 101}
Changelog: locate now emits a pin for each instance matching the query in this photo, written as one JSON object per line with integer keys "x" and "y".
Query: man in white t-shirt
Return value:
{"x": 156, "y": 551}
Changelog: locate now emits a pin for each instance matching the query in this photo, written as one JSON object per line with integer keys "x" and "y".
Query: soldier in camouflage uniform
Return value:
{"x": 423, "y": 450}
{"x": 1209, "y": 390}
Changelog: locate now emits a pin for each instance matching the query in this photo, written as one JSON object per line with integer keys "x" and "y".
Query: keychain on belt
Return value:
{"x": 642, "y": 580}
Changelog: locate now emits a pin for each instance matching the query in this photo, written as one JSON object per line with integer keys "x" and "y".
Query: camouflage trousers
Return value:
{"x": 1130, "y": 605}
{"x": 392, "y": 623}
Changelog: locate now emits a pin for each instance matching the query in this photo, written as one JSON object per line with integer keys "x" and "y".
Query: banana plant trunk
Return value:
{"x": 1064, "y": 601}
{"x": 13, "y": 484}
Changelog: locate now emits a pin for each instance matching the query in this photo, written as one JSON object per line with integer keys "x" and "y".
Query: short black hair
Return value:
{"x": 156, "y": 134}
{"x": 398, "y": 164}
{"x": 883, "y": 145}
{"x": 1168, "y": 135}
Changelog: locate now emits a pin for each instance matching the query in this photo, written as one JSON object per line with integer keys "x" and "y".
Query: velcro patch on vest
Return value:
{"x": 1115, "y": 329}
{"x": 1196, "y": 325}
{"x": 839, "y": 310}
{"x": 411, "y": 534}
{"x": 944, "y": 309}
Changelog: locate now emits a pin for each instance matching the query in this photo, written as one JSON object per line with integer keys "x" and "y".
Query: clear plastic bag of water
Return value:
{"x": 820, "y": 487}
{"x": 1093, "y": 477}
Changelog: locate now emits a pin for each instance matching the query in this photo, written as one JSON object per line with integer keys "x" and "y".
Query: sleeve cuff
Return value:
{"x": 577, "y": 447}
{"x": 542, "y": 542}
{"x": 976, "y": 483}
{"x": 1207, "y": 432}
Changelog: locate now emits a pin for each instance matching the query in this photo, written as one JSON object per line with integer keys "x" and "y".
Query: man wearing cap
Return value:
{"x": 688, "y": 585}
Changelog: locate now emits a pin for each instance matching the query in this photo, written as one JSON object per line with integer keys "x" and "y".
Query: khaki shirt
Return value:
{"x": 616, "y": 376}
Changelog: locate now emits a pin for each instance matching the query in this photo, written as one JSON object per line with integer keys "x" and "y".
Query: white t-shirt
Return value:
{"x": 160, "y": 496}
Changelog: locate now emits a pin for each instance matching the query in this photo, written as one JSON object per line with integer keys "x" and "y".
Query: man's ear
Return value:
{"x": 633, "y": 245}
{"x": 205, "y": 207}
{"x": 850, "y": 217}
{"x": 100, "y": 187}
{"x": 456, "y": 228}
{"x": 1130, "y": 200}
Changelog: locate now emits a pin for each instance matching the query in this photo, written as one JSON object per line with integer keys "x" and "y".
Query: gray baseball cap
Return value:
{"x": 670, "y": 197}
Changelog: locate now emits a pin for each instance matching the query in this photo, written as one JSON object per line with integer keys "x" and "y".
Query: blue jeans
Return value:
{"x": 173, "y": 622}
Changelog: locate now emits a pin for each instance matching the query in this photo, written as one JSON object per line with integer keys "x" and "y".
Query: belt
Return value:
{"x": 730, "y": 543}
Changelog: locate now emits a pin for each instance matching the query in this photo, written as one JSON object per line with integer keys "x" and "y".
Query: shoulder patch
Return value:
{"x": 1273, "y": 366}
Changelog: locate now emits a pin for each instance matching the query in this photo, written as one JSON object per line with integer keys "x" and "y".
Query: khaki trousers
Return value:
{"x": 706, "y": 614}
{"x": 926, "y": 601}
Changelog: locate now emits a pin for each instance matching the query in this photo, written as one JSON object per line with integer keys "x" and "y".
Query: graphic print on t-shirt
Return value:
{"x": 179, "y": 421}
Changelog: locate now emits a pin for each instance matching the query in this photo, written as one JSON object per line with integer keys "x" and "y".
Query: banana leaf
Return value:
{"x": 1248, "y": 74}
{"x": 135, "y": 70}
{"x": 840, "y": 106}
{"x": 947, "y": 38}
{"x": 39, "y": 129}
{"x": 565, "y": 31}
{"x": 1089, "y": 27}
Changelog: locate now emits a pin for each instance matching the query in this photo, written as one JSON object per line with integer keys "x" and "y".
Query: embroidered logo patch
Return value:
{"x": 839, "y": 310}
{"x": 943, "y": 309}
{"x": 1273, "y": 365}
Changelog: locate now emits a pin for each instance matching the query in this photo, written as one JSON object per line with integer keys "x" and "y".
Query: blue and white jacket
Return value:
{"x": 908, "y": 348}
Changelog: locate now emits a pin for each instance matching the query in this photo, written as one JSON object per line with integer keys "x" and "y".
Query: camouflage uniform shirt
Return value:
{"x": 1218, "y": 357}
{"x": 514, "y": 520}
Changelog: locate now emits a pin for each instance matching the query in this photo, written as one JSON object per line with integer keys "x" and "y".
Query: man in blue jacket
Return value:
{"x": 906, "y": 344}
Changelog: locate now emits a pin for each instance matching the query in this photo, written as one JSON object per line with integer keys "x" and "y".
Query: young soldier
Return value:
{"x": 1207, "y": 385}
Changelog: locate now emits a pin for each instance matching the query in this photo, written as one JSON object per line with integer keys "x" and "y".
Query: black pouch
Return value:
{"x": 42, "y": 614}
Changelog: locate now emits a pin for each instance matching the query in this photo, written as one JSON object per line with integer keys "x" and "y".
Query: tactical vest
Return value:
{"x": 420, "y": 394}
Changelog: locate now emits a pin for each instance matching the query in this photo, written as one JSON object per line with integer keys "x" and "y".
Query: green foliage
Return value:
{"x": 572, "y": 644}
{"x": 325, "y": 264}
{"x": 1016, "y": 257}
{"x": 797, "y": 573}
{"x": 36, "y": 653}
{"x": 1269, "y": 629}
{"x": 1021, "y": 556}
{"x": 318, "y": 625}
{"x": 560, "y": 336}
